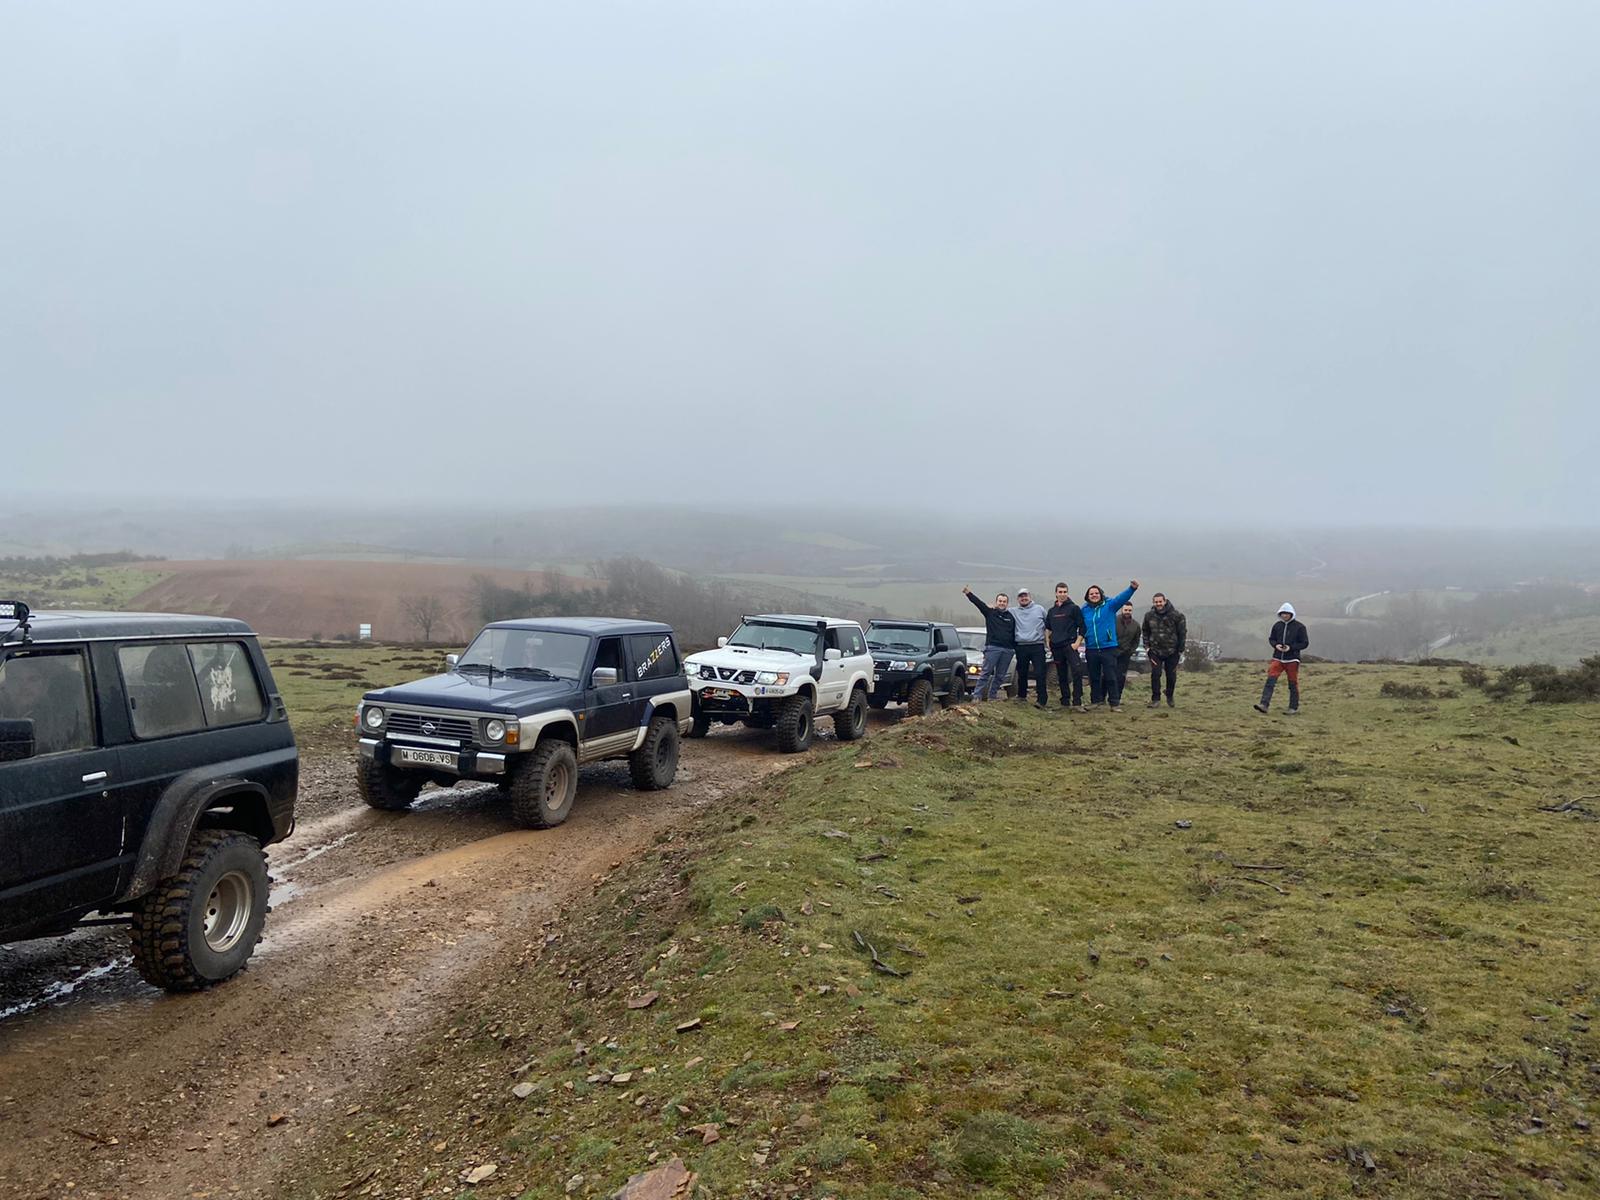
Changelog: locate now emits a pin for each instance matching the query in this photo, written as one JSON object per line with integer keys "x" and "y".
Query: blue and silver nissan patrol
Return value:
{"x": 527, "y": 702}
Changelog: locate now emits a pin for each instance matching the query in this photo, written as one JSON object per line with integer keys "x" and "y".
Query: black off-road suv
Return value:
{"x": 916, "y": 663}
{"x": 524, "y": 705}
{"x": 145, "y": 763}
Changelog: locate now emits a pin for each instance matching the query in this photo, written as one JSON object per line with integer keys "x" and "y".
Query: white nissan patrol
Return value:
{"x": 782, "y": 672}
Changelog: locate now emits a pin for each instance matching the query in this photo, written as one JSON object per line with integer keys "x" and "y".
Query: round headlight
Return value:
{"x": 494, "y": 730}
{"x": 373, "y": 718}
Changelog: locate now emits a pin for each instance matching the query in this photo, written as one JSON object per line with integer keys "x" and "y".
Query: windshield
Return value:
{"x": 764, "y": 636}
{"x": 972, "y": 639}
{"x": 526, "y": 654}
{"x": 898, "y": 637}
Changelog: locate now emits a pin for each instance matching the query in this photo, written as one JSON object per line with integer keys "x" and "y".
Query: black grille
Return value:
{"x": 728, "y": 674}
{"x": 459, "y": 729}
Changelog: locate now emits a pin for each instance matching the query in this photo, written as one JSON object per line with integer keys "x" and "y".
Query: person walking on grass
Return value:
{"x": 999, "y": 643}
{"x": 1127, "y": 643}
{"x": 1166, "y": 632}
{"x": 1100, "y": 633}
{"x": 1063, "y": 637}
{"x": 1030, "y": 621}
{"x": 1289, "y": 639}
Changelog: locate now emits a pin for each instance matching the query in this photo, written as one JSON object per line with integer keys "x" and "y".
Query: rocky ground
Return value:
{"x": 109, "y": 1088}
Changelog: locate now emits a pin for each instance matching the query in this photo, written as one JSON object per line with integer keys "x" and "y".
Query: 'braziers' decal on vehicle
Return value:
{"x": 655, "y": 656}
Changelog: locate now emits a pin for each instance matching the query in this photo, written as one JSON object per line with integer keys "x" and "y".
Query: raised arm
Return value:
{"x": 973, "y": 596}
{"x": 1123, "y": 596}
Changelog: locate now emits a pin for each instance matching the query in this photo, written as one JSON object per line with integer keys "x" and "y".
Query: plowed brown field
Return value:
{"x": 319, "y": 598}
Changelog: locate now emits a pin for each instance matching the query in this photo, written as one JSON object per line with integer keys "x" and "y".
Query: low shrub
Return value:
{"x": 1474, "y": 676}
{"x": 1395, "y": 690}
{"x": 1197, "y": 657}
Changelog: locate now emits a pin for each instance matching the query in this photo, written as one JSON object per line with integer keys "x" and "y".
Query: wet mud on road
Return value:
{"x": 110, "y": 1088}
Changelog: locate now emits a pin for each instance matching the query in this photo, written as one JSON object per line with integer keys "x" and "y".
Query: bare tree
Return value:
{"x": 424, "y": 612}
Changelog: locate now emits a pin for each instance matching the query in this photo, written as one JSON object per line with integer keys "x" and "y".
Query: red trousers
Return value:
{"x": 1292, "y": 669}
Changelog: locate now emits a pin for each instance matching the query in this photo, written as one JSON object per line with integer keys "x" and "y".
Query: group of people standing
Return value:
{"x": 1097, "y": 639}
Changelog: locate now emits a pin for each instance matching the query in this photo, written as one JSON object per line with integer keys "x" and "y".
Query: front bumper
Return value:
{"x": 466, "y": 763}
{"x": 737, "y": 700}
{"x": 892, "y": 685}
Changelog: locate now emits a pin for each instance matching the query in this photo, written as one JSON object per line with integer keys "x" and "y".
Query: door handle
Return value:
{"x": 627, "y": 695}
{"x": 96, "y": 777}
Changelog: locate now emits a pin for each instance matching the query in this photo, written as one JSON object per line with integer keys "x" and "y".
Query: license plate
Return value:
{"x": 427, "y": 758}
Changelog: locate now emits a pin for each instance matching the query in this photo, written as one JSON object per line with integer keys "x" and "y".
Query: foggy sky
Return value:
{"x": 1247, "y": 262}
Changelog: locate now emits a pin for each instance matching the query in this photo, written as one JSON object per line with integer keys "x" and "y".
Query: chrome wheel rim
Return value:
{"x": 228, "y": 910}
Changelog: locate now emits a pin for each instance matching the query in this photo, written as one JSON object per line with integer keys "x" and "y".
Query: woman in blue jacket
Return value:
{"x": 1100, "y": 635}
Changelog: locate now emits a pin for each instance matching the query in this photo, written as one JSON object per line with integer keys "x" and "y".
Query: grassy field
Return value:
{"x": 1186, "y": 953}
{"x": 321, "y": 685}
{"x": 79, "y": 587}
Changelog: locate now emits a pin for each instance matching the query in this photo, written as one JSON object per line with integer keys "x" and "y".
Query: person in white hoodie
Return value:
{"x": 1289, "y": 639}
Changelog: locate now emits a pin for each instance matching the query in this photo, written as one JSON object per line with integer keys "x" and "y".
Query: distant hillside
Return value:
{"x": 1561, "y": 643}
{"x": 320, "y": 598}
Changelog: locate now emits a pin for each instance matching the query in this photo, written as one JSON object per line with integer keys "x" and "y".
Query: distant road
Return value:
{"x": 1350, "y": 609}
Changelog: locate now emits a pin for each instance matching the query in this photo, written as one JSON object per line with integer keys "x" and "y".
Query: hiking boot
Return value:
{"x": 1260, "y": 708}
{"x": 1116, "y": 707}
{"x": 1293, "y": 712}
{"x": 1154, "y": 704}
{"x": 1171, "y": 703}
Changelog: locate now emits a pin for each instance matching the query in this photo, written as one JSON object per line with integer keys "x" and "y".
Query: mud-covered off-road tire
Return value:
{"x": 957, "y": 692}
{"x": 919, "y": 699}
{"x": 850, "y": 723}
{"x": 796, "y": 725}
{"x": 386, "y": 788}
{"x": 544, "y": 785}
{"x": 200, "y": 926}
{"x": 699, "y": 726}
{"x": 654, "y": 765}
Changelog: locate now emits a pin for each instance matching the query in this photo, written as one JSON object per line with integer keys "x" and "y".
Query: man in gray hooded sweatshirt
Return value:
{"x": 1030, "y": 644}
{"x": 1288, "y": 638}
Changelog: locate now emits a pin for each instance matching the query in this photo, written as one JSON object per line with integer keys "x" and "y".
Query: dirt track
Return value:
{"x": 112, "y": 1089}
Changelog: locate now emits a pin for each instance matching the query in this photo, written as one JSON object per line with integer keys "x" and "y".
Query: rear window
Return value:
{"x": 229, "y": 691}
{"x": 654, "y": 656}
{"x": 176, "y": 688}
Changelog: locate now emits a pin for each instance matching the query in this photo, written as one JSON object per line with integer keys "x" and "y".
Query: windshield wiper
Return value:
{"x": 474, "y": 667}
{"x": 528, "y": 672}
{"x": 785, "y": 649}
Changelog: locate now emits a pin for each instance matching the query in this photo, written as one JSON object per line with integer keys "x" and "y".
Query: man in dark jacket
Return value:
{"x": 999, "y": 644}
{"x": 1166, "y": 632}
{"x": 1289, "y": 639}
{"x": 1100, "y": 631}
{"x": 1127, "y": 643}
{"x": 1064, "y": 636}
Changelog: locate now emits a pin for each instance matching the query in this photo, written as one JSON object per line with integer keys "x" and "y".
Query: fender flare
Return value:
{"x": 173, "y": 821}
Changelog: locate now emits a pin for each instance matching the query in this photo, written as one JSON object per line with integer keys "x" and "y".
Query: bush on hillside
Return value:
{"x": 1474, "y": 676}
{"x": 1547, "y": 684}
{"x": 1197, "y": 657}
{"x": 1395, "y": 690}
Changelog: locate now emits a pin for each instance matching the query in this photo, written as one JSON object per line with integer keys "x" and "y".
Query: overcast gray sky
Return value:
{"x": 1276, "y": 261}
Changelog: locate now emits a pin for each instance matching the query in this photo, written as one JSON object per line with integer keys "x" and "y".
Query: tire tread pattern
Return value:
{"x": 158, "y": 931}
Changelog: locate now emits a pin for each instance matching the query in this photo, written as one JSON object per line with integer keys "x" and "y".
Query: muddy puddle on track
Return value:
{"x": 378, "y": 918}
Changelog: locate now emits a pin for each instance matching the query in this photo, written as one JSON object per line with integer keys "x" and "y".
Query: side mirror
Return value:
{"x": 603, "y": 677}
{"x": 832, "y": 654}
{"x": 16, "y": 740}
{"x": 721, "y": 642}
{"x": 450, "y": 661}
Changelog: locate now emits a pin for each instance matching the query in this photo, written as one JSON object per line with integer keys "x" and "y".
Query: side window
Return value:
{"x": 609, "y": 656}
{"x": 851, "y": 641}
{"x": 51, "y": 689}
{"x": 654, "y": 655}
{"x": 939, "y": 642}
{"x": 163, "y": 697}
{"x": 229, "y": 692}
{"x": 833, "y": 639}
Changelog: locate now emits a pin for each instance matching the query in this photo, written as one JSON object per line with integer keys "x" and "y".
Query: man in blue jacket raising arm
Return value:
{"x": 1100, "y": 632}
